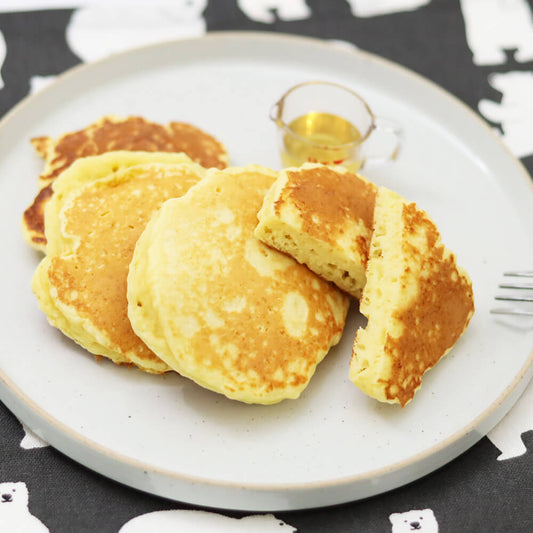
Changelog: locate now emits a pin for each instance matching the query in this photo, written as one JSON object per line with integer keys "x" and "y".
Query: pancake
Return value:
{"x": 322, "y": 216}
{"x": 71, "y": 328}
{"x": 418, "y": 302}
{"x": 112, "y": 134}
{"x": 89, "y": 169}
{"x": 92, "y": 227}
{"x": 222, "y": 308}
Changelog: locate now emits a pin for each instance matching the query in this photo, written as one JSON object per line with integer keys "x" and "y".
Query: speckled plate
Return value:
{"x": 167, "y": 436}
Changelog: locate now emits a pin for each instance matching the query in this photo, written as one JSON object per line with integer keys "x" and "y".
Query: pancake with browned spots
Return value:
{"x": 322, "y": 216}
{"x": 418, "y": 302}
{"x": 92, "y": 226}
{"x": 222, "y": 308}
{"x": 111, "y": 134}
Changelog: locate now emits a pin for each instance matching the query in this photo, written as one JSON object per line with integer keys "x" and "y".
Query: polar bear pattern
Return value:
{"x": 99, "y": 30}
{"x": 422, "y": 520}
{"x": 515, "y": 111}
{"x": 31, "y": 440}
{"x": 493, "y": 26}
{"x": 506, "y": 436}
{"x": 2, "y": 57}
{"x": 265, "y": 10}
{"x": 204, "y": 522}
{"x": 373, "y": 8}
{"x": 40, "y": 82}
{"x": 14, "y": 514}
{"x": 343, "y": 45}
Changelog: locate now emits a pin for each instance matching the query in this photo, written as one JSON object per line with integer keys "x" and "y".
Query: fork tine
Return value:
{"x": 515, "y": 298}
{"x": 510, "y": 311}
{"x": 516, "y": 286}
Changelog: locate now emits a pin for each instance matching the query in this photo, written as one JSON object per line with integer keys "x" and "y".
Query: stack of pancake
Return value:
{"x": 100, "y": 206}
{"x": 151, "y": 261}
{"x": 237, "y": 278}
{"x": 416, "y": 298}
{"x": 113, "y": 133}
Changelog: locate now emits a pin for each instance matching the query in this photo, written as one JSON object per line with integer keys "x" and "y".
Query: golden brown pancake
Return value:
{"x": 322, "y": 216}
{"x": 418, "y": 302}
{"x": 222, "y": 308}
{"x": 89, "y": 169}
{"x": 111, "y": 134}
{"x": 92, "y": 227}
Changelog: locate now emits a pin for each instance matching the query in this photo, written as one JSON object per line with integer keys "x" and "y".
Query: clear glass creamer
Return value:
{"x": 323, "y": 122}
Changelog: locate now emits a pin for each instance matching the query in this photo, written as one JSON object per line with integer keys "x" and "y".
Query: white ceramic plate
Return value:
{"x": 167, "y": 436}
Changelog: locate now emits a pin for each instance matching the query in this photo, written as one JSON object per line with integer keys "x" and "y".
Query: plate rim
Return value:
{"x": 343, "y": 480}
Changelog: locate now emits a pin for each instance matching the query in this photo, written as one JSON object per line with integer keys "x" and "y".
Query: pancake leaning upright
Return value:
{"x": 418, "y": 302}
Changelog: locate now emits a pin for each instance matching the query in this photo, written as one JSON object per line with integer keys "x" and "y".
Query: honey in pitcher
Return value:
{"x": 321, "y": 138}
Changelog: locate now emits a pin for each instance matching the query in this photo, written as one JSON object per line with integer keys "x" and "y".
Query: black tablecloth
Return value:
{"x": 480, "y": 51}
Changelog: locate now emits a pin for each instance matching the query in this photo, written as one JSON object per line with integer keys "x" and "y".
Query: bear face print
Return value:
{"x": 14, "y": 513}
{"x": 14, "y": 494}
{"x": 421, "y": 520}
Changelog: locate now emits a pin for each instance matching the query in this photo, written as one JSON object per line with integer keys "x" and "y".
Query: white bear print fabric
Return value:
{"x": 494, "y": 26}
{"x": 507, "y": 435}
{"x": 266, "y": 10}
{"x": 204, "y": 522}
{"x": 514, "y": 113}
{"x": 479, "y": 50}
{"x": 96, "y": 31}
{"x": 14, "y": 514}
{"x": 372, "y": 8}
{"x": 31, "y": 440}
{"x": 2, "y": 56}
{"x": 40, "y": 82}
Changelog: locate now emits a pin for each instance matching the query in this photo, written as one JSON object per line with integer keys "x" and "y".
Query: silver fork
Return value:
{"x": 520, "y": 285}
